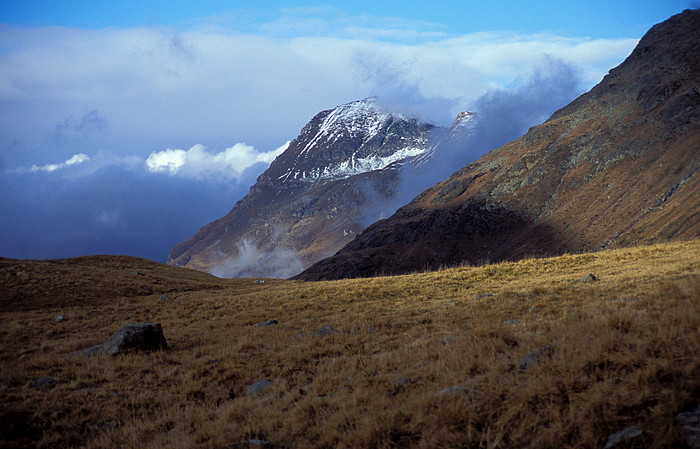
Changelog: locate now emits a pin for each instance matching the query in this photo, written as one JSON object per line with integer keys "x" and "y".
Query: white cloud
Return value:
{"x": 74, "y": 160}
{"x": 167, "y": 161}
{"x": 198, "y": 163}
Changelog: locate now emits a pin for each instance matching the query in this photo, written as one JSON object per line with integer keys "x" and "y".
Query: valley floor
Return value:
{"x": 436, "y": 359}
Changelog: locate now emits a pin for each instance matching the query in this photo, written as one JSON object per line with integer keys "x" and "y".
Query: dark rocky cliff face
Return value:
{"x": 314, "y": 197}
{"x": 616, "y": 167}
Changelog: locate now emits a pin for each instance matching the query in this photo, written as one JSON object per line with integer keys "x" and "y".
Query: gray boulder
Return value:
{"x": 136, "y": 337}
{"x": 132, "y": 337}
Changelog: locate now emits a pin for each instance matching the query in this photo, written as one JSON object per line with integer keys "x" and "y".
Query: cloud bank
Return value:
{"x": 112, "y": 204}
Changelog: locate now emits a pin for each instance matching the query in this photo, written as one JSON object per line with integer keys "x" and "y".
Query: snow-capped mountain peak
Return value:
{"x": 351, "y": 139}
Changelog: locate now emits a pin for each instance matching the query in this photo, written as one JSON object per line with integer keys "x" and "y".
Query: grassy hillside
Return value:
{"x": 423, "y": 360}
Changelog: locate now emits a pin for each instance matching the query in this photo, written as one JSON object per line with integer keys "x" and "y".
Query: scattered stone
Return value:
{"x": 319, "y": 398}
{"x": 266, "y": 323}
{"x": 589, "y": 278}
{"x": 137, "y": 272}
{"x": 258, "y": 388}
{"x": 60, "y": 318}
{"x": 323, "y": 332}
{"x": 627, "y": 300}
{"x": 170, "y": 433}
{"x": 482, "y": 296}
{"x": 164, "y": 298}
{"x": 86, "y": 389}
{"x": 111, "y": 425}
{"x": 447, "y": 339}
{"x": 261, "y": 443}
{"x": 456, "y": 390}
{"x": 132, "y": 337}
{"x": 535, "y": 357}
{"x": 43, "y": 381}
{"x": 690, "y": 427}
{"x": 326, "y": 330}
{"x": 626, "y": 434}
{"x": 402, "y": 381}
{"x": 510, "y": 322}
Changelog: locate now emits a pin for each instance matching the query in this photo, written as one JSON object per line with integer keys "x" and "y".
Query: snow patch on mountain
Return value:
{"x": 364, "y": 120}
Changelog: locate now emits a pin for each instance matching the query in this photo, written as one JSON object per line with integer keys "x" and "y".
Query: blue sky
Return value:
{"x": 592, "y": 18}
{"x": 125, "y": 126}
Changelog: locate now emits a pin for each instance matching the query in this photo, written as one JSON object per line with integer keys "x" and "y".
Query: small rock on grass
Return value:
{"x": 589, "y": 278}
{"x": 482, "y": 296}
{"x": 402, "y": 381}
{"x": 43, "y": 381}
{"x": 456, "y": 390}
{"x": 326, "y": 330}
{"x": 323, "y": 332}
{"x": 266, "y": 323}
{"x": 623, "y": 436}
{"x": 534, "y": 357}
{"x": 258, "y": 388}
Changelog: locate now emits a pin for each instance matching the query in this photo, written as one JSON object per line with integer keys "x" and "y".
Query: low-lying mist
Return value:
{"x": 251, "y": 261}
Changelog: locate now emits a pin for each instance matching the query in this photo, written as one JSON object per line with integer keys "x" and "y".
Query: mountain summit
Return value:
{"x": 616, "y": 167}
{"x": 315, "y": 197}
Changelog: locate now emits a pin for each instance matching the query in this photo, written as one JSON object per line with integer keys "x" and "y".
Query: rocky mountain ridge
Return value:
{"x": 616, "y": 167}
{"x": 317, "y": 195}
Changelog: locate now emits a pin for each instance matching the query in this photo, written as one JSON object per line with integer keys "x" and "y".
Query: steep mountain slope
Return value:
{"x": 313, "y": 199}
{"x": 616, "y": 167}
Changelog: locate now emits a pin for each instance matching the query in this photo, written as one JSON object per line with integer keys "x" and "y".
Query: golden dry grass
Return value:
{"x": 626, "y": 351}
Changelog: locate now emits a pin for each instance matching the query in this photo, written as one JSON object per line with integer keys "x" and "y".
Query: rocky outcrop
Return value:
{"x": 132, "y": 337}
{"x": 616, "y": 167}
